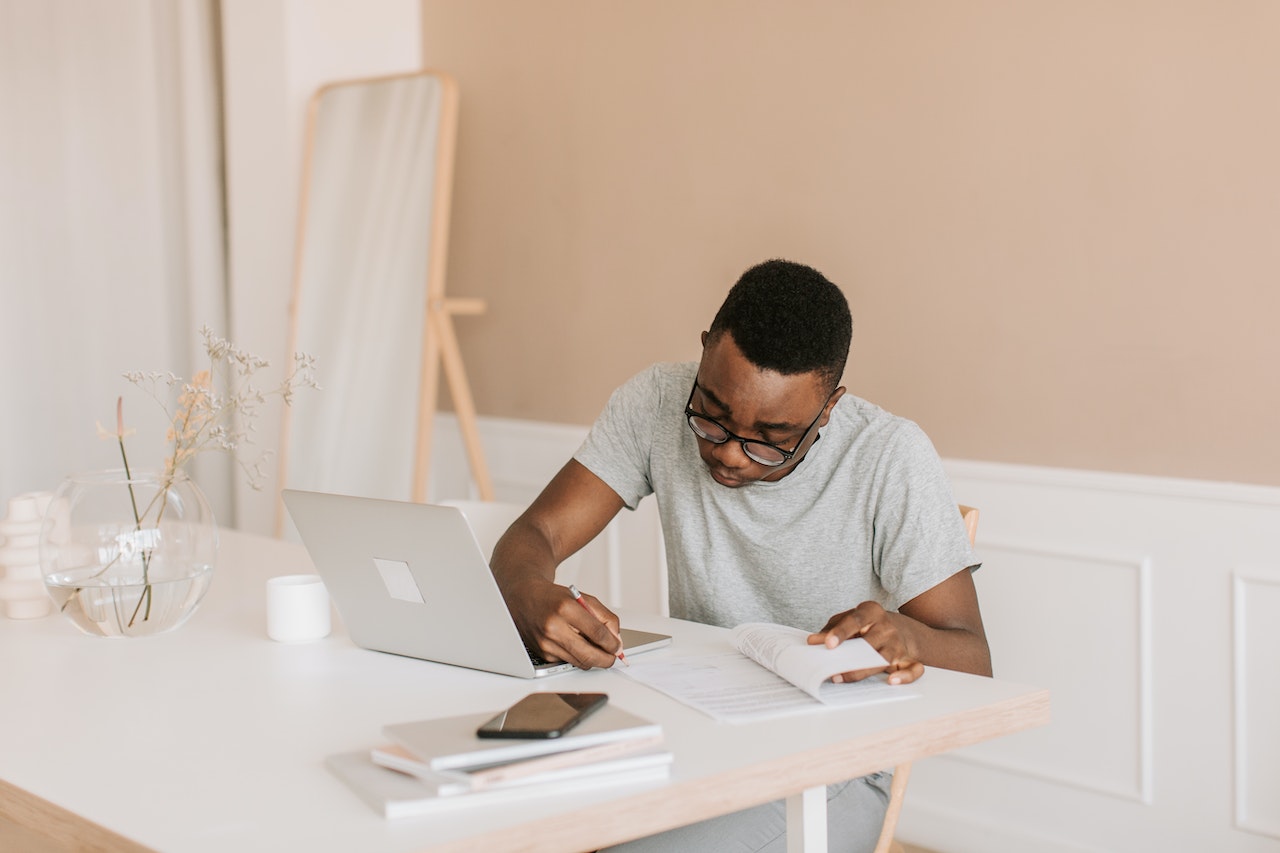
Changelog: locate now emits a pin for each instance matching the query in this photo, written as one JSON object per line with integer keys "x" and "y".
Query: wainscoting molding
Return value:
{"x": 1033, "y": 598}
{"x": 1257, "y": 700}
{"x": 1150, "y": 607}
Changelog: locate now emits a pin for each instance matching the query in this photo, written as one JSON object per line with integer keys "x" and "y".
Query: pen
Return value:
{"x": 573, "y": 590}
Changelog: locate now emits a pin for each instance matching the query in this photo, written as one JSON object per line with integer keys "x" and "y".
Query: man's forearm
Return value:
{"x": 959, "y": 649}
{"x": 522, "y": 555}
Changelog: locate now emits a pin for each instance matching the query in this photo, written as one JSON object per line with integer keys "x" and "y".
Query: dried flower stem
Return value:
{"x": 137, "y": 519}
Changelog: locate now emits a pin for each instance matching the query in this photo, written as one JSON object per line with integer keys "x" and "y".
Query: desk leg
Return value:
{"x": 807, "y": 821}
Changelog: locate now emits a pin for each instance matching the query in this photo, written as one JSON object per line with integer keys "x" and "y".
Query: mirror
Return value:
{"x": 369, "y": 291}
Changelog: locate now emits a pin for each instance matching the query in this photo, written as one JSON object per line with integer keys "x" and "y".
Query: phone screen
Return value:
{"x": 543, "y": 715}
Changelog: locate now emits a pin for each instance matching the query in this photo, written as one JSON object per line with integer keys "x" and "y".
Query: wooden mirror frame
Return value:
{"x": 439, "y": 341}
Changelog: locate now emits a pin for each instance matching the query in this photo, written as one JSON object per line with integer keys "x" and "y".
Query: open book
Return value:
{"x": 770, "y": 671}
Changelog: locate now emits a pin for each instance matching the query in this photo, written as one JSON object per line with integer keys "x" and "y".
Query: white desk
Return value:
{"x": 212, "y": 738}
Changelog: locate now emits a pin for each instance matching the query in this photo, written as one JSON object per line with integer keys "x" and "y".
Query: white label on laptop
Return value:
{"x": 399, "y": 580}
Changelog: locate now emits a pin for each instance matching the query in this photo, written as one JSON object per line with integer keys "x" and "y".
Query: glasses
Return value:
{"x": 758, "y": 451}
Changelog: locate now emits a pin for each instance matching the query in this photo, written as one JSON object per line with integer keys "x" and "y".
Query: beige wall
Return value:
{"x": 1056, "y": 223}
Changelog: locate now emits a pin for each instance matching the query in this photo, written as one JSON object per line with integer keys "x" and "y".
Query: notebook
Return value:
{"x": 450, "y": 743}
{"x": 410, "y": 579}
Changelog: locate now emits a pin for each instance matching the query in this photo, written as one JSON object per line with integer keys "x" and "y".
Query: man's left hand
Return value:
{"x": 879, "y": 628}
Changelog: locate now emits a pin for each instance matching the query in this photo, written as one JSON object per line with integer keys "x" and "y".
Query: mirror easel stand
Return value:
{"x": 440, "y": 342}
{"x": 442, "y": 350}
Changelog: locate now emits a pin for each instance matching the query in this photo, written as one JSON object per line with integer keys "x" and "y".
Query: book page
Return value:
{"x": 731, "y": 687}
{"x": 787, "y": 652}
{"x": 724, "y": 685}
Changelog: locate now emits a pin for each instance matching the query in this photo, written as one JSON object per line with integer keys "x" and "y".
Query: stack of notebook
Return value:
{"x": 428, "y": 765}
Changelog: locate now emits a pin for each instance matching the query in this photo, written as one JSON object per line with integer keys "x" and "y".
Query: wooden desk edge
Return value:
{"x": 59, "y": 829}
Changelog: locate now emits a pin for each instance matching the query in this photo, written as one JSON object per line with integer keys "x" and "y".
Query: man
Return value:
{"x": 762, "y": 520}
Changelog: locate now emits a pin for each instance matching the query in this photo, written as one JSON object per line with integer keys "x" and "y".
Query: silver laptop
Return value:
{"x": 410, "y": 579}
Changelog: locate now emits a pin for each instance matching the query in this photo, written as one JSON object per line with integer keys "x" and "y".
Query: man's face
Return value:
{"x": 755, "y": 404}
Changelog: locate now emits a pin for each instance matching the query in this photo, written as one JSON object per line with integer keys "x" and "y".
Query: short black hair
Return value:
{"x": 787, "y": 317}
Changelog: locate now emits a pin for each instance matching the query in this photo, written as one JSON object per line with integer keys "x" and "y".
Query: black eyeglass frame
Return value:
{"x": 787, "y": 455}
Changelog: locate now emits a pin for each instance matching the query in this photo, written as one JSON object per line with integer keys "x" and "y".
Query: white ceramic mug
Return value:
{"x": 297, "y": 609}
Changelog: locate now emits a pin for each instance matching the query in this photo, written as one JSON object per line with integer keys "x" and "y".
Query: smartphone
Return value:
{"x": 543, "y": 715}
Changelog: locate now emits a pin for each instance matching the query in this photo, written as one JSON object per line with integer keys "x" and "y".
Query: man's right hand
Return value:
{"x": 552, "y": 621}
{"x": 571, "y": 511}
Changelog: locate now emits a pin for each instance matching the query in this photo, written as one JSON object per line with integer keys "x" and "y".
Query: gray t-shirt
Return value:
{"x": 868, "y": 515}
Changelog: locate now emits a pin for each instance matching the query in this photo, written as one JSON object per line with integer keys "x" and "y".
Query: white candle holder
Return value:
{"x": 22, "y": 590}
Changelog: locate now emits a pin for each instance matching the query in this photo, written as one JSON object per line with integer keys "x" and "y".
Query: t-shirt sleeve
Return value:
{"x": 919, "y": 538}
{"x": 620, "y": 443}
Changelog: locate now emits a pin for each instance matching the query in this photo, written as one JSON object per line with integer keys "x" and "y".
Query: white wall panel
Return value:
{"x": 1257, "y": 698}
{"x": 1040, "y": 606}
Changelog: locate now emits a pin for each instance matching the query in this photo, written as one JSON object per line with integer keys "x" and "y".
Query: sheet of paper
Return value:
{"x": 731, "y": 687}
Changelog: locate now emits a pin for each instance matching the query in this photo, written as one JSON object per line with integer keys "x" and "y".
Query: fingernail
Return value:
{"x": 838, "y": 679}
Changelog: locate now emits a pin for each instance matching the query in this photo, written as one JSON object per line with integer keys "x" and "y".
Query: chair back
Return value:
{"x": 970, "y": 516}
{"x": 490, "y": 519}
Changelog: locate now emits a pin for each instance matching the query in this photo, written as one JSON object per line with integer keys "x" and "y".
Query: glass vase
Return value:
{"x": 128, "y": 556}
